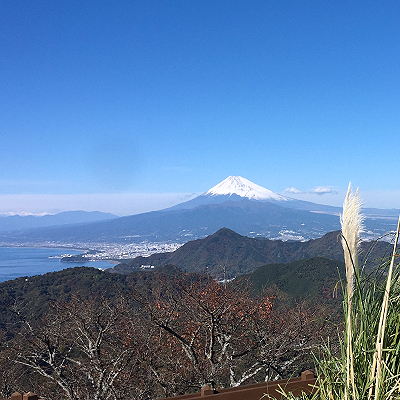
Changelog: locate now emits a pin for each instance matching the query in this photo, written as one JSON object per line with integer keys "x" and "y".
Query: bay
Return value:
{"x": 16, "y": 262}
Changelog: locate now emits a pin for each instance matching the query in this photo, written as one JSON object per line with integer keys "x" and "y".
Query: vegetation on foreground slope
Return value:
{"x": 226, "y": 253}
{"x": 164, "y": 333}
{"x": 368, "y": 365}
{"x": 289, "y": 282}
{"x": 169, "y": 339}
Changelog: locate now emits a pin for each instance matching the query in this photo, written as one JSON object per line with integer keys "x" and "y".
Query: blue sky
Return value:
{"x": 127, "y": 106}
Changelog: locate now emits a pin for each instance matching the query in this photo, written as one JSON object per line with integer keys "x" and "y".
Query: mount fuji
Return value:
{"x": 233, "y": 188}
{"x": 237, "y": 188}
{"x": 235, "y": 203}
{"x": 236, "y": 185}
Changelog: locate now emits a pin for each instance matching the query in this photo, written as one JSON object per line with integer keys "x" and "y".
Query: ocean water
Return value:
{"x": 22, "y": 261}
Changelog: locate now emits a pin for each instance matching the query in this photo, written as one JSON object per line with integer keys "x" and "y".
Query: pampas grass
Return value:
{"x": 351, "y": 222}
{"x": 376, "y": 370}
{"x": 352, "y": 225}
{"x": 368, "y": 364}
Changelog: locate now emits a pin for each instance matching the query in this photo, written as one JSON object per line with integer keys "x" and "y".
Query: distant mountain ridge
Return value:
{"x": 235, "y": 203}
{"x": 226, "y": 254}
{"x": 18, "y": 222}
{"x": 247, "y": 217}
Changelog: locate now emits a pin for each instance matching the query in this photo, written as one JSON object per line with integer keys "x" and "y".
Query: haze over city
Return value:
{"x": 127, "y": 107}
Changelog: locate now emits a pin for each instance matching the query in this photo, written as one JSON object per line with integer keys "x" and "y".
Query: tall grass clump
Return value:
{"x": 368, "y": 364}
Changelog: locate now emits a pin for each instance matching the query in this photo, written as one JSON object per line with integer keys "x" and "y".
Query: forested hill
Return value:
{"x": 228, "y": 254}
{"x": 305, "y": 279}
{"x": 294, "y": 269}
{"x": 36, "y": 292}
{"x": 310, "y": 278}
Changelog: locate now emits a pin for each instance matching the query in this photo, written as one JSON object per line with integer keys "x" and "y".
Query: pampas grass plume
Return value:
{"x": 352, "y": 225}
{"x": 351, "y": 221}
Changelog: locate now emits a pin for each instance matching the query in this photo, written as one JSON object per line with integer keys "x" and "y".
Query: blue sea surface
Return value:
{"x": 22, "y": 261}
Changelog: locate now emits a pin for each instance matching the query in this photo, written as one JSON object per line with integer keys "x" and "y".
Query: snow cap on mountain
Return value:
{"x": 244, "y": 188}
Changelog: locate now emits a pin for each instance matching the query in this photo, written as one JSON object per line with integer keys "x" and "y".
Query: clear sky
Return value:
{"x": 127, "y": 106}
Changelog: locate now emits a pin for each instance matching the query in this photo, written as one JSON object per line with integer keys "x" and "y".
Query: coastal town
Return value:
{"x": 116, "y": 251}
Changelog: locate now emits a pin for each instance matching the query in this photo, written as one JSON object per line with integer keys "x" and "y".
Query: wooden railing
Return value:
{"x": 303, "y": 384}
{"x": 26, "y": 396}
{"x": 306, "y": 383}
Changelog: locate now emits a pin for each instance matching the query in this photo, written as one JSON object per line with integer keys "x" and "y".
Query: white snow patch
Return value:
{"x": 24, "y": 214}
{"x": 244, "y": 188}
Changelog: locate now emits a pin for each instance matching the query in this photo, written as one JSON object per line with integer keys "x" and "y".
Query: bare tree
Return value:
{"x": 86, "y": 348}
{"x": 211, "y": 334}
{"x": 184, "y": 335}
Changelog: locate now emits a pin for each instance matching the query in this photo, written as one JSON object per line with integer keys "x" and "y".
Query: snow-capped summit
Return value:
{"x": 243, "y": 188}
{"x": 236, "y": 189}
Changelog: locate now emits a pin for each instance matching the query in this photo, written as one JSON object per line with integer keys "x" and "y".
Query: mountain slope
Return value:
{"x": 227, "y": 254}
{"x": 237, "y": 188}
{"x": 247, "y": 217}
{"x": 310, "y": 278}
{"x": 243, "y": 188}
{"x": 235, "y": 203}
{"x": 35, "y": 293}
{"x": 18, "y": 222}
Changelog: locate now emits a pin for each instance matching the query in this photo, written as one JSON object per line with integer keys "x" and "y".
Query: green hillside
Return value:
{"x": 33, "y": 294}
{"x": 306, "y": 278}
{"x": 226, "y": 254}
{"x": 311, "y": 278}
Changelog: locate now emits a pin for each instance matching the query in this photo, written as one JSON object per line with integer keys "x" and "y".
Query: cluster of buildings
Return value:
{"x": 118, "y": 251}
